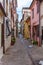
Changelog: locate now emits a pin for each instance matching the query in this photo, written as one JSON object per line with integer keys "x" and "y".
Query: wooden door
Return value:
{"x": 42, "y": 34}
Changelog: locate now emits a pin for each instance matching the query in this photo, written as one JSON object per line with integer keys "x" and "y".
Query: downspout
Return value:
{"x": 3, "y": 26}
{"x": 13, "y": 16}
{"x": 13, "y": 24}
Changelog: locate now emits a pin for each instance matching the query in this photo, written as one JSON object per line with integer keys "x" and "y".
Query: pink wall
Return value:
{"x": 34, "y": 20}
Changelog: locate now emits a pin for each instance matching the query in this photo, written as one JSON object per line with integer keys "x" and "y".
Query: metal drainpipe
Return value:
{"x": 3, "y": 25}
{"x": 13, "y": 25}
{"x": 13, "y": 14}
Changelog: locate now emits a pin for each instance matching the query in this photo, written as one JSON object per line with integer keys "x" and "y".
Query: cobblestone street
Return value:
{"x": 22, "y": 53}
{"x": 34, "y": 52}
{"x": 16, "y": 55}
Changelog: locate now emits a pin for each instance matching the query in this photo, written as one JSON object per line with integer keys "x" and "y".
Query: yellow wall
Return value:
{"x": 26, "y": 30}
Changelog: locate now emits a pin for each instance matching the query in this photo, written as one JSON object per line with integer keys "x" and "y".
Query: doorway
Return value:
{"x": 2, "y": 37}
{"x": 42, "y": 36}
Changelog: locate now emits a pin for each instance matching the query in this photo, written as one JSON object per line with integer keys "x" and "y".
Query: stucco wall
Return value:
{"x": 7, "y": 42}
{"x": 36, "y": 15}
{"x": 41, "y": 18}
{"x": 7, "y": 39}
{"x": 1, "y": 48}
{"x": 15, "y": 32}
{"x": 41, "y": 9}
{"x": 0, "y": 35}
{"x": 26, "y": 30}
{"x": 41, "y": 13}
{"x": 41, "y": 22}
{"x": 15, "y": 18}
{"x": 1, "y": 21}
{"x": 34, "y": 20}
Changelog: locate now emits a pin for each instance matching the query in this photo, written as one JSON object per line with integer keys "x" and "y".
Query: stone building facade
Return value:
{"x": 14, "y": 16}
{"x": 26, "y": 23}
{"x": 2, "y": 14}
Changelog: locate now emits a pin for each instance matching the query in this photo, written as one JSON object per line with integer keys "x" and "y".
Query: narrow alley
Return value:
{"x": 16, "y": 55}
{"x": 22, "y": 53}
{"x": 21, "y": 32}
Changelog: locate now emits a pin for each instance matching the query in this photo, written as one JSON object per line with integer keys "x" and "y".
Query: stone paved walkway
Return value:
{"x": 35, "y": 53}
{"x": 16, "y": 55}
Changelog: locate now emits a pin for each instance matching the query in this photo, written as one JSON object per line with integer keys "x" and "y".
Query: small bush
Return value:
{"x": 13, "y": 40}
{"x": 35, "y": 42}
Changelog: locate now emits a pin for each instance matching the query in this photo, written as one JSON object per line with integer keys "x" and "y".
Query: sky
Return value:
{"x": 20, "y": 5}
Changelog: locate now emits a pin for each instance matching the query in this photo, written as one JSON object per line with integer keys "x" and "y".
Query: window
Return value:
{"x": 32, "y": 13}
{"x": 37, "y": 6}
{"x": 36, "y": 31}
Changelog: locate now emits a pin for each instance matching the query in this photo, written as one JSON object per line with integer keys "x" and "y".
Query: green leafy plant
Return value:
{"x": 13, "y": 40}
{"x": 35, "y": 42}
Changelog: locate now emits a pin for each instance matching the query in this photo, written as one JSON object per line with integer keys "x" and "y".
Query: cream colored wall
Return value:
{"x": 1, "y": 21}
{"x": 41, "y": 18}
{"x": 6, "y": 38}
{"x": 26, "y": 12}
{"x": 15, "y": 32}
{"x": 41, "y": 9}
{"x": 1, "y": 48}
{"x": 0, "y": 35}
{"x": 7, "y": 42}
{"x": 41, "y": 14}
{"x": 41, "y": 22}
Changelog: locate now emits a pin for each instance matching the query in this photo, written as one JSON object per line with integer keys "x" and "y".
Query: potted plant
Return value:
{"x": 13, "y": 40}
{"x": 35, "y": 42}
